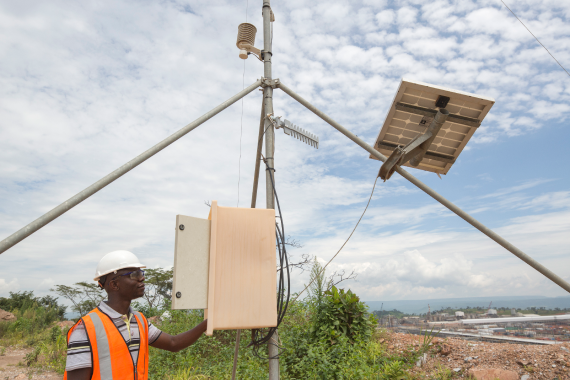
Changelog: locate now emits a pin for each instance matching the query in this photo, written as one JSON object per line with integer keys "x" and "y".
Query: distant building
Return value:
{"x": 460, "y": 314}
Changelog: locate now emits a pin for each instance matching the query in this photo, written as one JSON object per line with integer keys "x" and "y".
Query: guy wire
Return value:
{"x": 240, "y": 131}
{"x": 535, "y": 38}
{"x": 238, "y": 334}
{"x": 241, "y": 122}
{"x": 339, "y": 250}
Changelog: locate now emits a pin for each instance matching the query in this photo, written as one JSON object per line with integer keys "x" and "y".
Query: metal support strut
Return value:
{"x": 448, "y": 204}
{"x": 97, "y": 186}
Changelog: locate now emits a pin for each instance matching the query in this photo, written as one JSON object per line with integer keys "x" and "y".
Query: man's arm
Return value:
{"x": 79, "y": 374}
{"x": 180, "y": 341}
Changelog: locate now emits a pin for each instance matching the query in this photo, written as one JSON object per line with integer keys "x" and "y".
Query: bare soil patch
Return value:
{"x": 467, "y": 358}
{"x": 12, "y": 367}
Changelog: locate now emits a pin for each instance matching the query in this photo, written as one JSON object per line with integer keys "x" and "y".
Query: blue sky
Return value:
{"x": 86, "y": 87}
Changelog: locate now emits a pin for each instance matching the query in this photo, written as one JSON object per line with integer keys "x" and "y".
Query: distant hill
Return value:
{"x": 421, "y": 306}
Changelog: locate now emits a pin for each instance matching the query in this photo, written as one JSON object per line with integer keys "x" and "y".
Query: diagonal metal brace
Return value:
{"x": 416, "y": 149}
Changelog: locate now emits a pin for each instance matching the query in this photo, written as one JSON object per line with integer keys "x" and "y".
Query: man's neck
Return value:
{"x": 119, "y": 305}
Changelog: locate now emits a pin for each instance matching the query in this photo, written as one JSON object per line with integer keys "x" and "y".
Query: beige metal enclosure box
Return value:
{"x": 227, "y": 264}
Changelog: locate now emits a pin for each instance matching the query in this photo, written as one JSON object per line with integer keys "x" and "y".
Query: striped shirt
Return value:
{"x": 79, "y": 350}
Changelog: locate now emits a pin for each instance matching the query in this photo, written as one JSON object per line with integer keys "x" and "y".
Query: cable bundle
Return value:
{"x": 264, "y": 335}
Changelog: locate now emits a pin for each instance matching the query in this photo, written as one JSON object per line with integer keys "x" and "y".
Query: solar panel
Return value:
{"x": 413, "y": 109}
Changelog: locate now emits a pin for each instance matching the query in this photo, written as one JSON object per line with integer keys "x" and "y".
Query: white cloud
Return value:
{"x": 385, "y": 18}
{"x": 11, "y": 286}
{"x": 85, "y": 88}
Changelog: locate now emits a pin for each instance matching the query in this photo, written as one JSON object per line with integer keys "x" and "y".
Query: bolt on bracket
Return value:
{"x": 266, "y": 82}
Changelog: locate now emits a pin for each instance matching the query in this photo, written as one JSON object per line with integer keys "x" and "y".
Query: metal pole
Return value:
{"x": 272, "y": 349}
{"x": 258, "y": 156}
{"x": 236, "y": 353}
{"x": 97, "y": 186}
{"x": 451, "y": 206}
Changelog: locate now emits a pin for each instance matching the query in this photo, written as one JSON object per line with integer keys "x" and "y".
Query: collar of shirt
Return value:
{"x": 114, "y": 314}
{"x": 128, "y": 318}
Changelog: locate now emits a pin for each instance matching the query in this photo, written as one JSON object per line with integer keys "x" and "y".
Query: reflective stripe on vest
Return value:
{"x": 104, "y": 353}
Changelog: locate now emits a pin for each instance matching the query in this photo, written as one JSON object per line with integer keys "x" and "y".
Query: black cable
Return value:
{"x": 345, "y": 242}
{"x": 263, "y": 336}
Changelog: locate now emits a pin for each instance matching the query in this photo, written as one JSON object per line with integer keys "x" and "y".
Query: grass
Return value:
{"x": 35, "y": 328}
{"x": 212, "y": 357}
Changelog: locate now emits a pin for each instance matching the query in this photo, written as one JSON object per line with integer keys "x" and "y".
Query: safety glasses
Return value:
{"x": 135, "y": 275}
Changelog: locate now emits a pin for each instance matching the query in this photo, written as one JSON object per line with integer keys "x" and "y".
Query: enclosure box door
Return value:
{"x": 227, "y": 265}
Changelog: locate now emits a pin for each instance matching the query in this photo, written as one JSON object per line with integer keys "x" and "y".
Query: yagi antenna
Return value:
{"x": 296, "y": 131}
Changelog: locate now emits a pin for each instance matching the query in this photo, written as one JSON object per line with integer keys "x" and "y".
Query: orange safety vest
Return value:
{"x": 109, "y": 351}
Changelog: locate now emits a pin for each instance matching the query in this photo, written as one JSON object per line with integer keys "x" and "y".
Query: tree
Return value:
{"x": 23, "y": 300}
{"x": 158, "y": 286}
{"x": 84, "y": 296}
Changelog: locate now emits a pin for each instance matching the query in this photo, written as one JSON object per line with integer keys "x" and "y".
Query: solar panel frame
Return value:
{"x": 403, "y": 120}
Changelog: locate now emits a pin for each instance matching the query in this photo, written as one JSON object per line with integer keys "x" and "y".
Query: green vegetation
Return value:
{"x": 327, "y": 335}
{"x": 34, "y": 327}
{"x": 314, "y": 347}
{"x": 84, "y": 296}
{"x": 22, "y": 301}
{"x": 502, "y": 311}
{"x": 394, "y": 313}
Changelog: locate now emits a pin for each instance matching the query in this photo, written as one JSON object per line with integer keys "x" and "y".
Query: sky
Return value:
{"x": 87, "y": 86}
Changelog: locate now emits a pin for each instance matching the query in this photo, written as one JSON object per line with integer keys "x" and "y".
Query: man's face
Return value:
{"x": 127, "y": 287}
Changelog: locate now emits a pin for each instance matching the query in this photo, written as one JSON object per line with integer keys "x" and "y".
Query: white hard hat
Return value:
{"x": 116, "y": 260}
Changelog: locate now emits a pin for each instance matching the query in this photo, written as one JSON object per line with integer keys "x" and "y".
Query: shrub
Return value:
{"x": 342, "y": 314}
{"x": 25, "y": 300}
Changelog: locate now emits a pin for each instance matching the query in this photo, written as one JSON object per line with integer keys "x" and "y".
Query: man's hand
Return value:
{"x": 180, "y": 341}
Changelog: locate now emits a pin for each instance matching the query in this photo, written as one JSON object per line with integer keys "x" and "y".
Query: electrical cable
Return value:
{"x": 345, "y": 242}
{"x": 264, "y": 335}
{"x": 535, "y": 38}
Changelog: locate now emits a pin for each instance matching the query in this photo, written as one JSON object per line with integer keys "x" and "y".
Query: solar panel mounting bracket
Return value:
{"x": 416, "y": 149}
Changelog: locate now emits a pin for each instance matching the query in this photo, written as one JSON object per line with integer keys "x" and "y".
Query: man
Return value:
{"x": 111, "y": 342}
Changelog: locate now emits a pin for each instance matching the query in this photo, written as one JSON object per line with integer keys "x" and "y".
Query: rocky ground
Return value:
{"x": 462, "y": 359}
{"x": 6, "y": 316}
{"x": 12, "y": 366}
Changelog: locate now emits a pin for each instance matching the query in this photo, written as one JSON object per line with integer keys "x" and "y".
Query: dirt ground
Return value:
{"x": 12, "y": 367}
{"x": 532, "y": 362}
